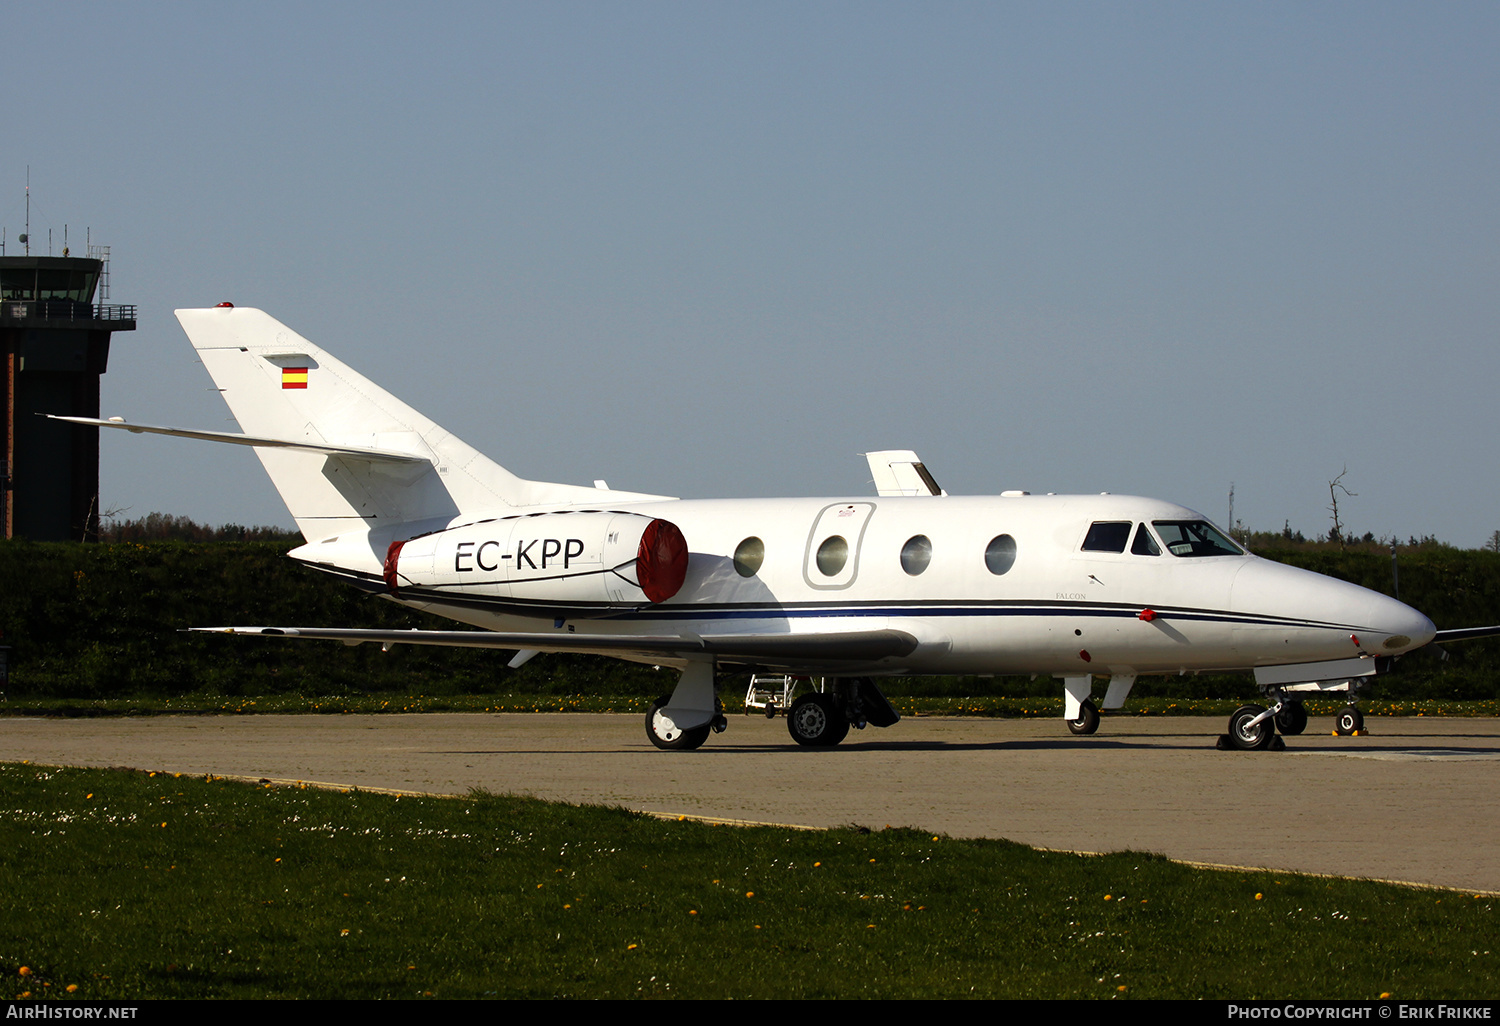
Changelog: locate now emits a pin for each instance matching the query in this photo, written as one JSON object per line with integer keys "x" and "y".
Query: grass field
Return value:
{"x": 128, "y": 885}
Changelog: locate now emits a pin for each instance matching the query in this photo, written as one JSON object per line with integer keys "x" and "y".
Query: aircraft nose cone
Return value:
{"x": 1382, "y": 625}
{"x": 1404, "y": 627}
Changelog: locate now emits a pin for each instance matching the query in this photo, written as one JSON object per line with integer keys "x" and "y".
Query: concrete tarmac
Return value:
{"x": 1413, "y": 802}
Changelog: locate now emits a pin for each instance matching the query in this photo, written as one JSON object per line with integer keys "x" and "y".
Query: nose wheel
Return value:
{"x": 1350, "y": 721}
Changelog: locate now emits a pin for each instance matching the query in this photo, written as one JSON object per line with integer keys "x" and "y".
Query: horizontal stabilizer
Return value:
{"x": 346, "y": 451}
{"x": 794, "y": 650}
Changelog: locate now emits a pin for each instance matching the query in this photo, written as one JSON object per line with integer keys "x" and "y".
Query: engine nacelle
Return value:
{"x": 582, "y": 561}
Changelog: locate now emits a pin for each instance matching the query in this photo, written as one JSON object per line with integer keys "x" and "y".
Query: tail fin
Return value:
{"x": 279, "y": 385}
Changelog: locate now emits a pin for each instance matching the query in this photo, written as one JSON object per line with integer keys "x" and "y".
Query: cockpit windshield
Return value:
{"x": 1195, "y": 538}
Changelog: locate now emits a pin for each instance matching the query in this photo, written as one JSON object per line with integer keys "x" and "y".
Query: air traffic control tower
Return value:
{"x": 54, "y": 344}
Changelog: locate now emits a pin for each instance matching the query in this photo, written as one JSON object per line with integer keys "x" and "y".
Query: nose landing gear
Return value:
{"x": 1349, "y": 721}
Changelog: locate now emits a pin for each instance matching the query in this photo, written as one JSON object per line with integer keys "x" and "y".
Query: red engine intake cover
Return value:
{"x": 661, "y": 561}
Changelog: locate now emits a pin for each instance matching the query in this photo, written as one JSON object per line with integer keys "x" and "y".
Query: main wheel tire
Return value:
{"x": 1292, "y": 719}
{"x": 815, "y": 721}
{"x": 665, "y": 734}
{"x": 1245, "y": 737}
{"x": 1349, "y": 721}
{"x": 1088, "y": 718}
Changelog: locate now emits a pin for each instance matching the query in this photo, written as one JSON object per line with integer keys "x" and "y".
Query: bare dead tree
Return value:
{"x": 1334, "y": 487}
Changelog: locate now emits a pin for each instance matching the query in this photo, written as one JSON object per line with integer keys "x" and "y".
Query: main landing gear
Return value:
{"x": 665, "y": 732}
{"x": 1088, "y": 718}
{"x": 682, "y": 721}
{"x": 816, "y": 721}
{"x": 823, "y": 719}
{"x": 1079, "y": 711}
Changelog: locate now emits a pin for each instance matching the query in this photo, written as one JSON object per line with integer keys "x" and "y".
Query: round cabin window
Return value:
{"x": 832, "y": 555}
{"x": 1000, "y": 556}
{"x": 916, "y": 554}
{"x": 748, "y": 556}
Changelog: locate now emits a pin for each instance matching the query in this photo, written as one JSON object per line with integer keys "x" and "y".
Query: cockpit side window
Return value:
{"x": 1195, "y": 538}
{"x": 1144, "y": 544}
{"x": 1107, "y": 536}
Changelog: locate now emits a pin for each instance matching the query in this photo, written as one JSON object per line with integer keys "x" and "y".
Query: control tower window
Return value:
{"x": 31, "y": 283}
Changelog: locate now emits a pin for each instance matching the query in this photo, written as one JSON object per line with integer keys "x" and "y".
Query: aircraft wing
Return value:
{"x": 349, "y": 452}
{"x": 1465, "y": 634}
{"x": 793, "y": 650}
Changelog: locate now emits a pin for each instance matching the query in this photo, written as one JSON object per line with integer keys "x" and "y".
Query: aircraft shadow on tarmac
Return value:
{"x": 1413, "y": 746}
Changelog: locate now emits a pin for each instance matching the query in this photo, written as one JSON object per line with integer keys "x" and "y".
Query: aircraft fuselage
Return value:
{"x": 986, "y": 585}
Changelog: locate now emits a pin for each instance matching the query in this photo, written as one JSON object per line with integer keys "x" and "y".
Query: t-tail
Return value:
{"x": 345, "y": 454}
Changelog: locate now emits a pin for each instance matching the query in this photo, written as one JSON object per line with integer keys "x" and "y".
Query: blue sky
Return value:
{"x": 722, "y": 249}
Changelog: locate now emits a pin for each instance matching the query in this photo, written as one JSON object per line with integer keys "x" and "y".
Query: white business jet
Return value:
{"x": 853, "y": 589}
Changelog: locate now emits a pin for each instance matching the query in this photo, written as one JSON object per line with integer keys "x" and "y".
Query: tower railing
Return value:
{"x": 64, "y": 310}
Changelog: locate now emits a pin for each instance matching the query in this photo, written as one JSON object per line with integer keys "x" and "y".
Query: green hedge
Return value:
{"x": 93, "y": 621}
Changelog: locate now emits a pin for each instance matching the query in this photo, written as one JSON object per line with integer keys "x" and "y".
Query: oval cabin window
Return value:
{"x": 748, "y": 556}
{"x": 916, "y": 554}
{"x": 1000, "y": 556}
{"x": 832, "y": 555}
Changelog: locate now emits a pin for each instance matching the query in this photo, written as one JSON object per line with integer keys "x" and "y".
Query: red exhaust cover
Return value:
{"x": 392, "y": 557}
{"x": 661, "y": 561}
